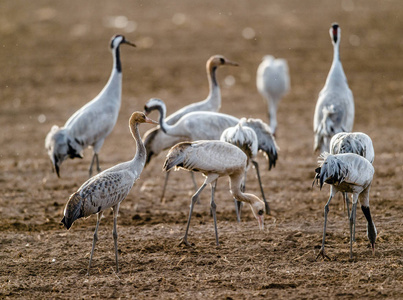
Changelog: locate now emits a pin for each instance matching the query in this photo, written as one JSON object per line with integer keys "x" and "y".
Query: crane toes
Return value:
{"x": 323, "y": 254}
{"x": 185, "y": 242}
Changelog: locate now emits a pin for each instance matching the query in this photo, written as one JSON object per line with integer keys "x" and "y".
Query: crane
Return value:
{"x": 214, "y": 159}
{"x": 108, "y": 188}
{"x": 92, "y": 123}
{"x": 334, "y": 111}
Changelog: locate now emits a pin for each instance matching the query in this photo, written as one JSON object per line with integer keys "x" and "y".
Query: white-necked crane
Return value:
{"x": 92, "y": 123}
{"x": 273, "y": 83}
{"x": 214, "y": 159}
{"x": 108, "y": 188}
{"x": 334, "y": 111}
{"x": 347, "y": 173}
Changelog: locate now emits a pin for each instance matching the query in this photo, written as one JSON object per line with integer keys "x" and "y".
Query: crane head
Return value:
{"x": 118, "y": 39}
{"x": 335, "y": 33}
{"x": 258, "y": 209}
{"x": 73, "y": 210}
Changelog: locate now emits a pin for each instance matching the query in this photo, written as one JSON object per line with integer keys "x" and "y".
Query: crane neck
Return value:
{"x": 113, "y": 88}
{"x": 140, "y": 148}
{"x": 117, "y": 65}
{"x": 336, "y": 76}
{"x": 336, "y": 52}
{"x": 214, "y": 96}
{"x": 164, "y": 125}
{"x": 235, "y": 187}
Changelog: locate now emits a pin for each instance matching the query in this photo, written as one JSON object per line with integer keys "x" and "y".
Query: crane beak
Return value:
{"x": 129, "y": 43}
{"x": 260, "y": 219}
{"x": 373, "y": 249}
{"x": 148, "y": 120}
{"x": 231, "y": 63}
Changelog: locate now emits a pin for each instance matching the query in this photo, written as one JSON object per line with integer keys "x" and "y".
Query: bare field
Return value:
{"x": 54, "y": 58}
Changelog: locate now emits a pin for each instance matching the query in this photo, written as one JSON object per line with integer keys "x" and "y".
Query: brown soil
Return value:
{"x": 54, "y": 58}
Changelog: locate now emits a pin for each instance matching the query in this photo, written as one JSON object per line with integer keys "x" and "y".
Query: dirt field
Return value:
{"x": 54, "y": 58}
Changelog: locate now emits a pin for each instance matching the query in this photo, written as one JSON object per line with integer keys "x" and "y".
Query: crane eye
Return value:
{"x": 261, "y": 212}
{"x": 222, "y": 60}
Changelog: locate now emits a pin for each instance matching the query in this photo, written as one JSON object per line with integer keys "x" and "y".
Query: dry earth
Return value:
{"x": 54, "y": 58}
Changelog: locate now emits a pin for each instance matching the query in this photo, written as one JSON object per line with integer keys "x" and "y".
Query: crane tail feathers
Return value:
{"x": 331, "y": 170}
{"x": 176, "y": 156}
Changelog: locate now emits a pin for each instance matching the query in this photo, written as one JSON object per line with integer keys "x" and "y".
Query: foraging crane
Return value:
{"x": 354, "y": 142}
{"x": 273, "y": 82}
{"x": 246, "y": 139}
{"x": 214, "y": 159}
{"x": 155, "y": 140}
{"x": 347, "y": 173}
{"x": 205, "y": 125}
{"x": 91, "y": 124}
{"x": 108, "y": 188}
{"x": 334, "y": 111}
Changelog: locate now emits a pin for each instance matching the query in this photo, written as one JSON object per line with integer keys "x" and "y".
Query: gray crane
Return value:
{"x": 273, "y": 83}
{"x": 347, "y": 173}
{"x": 214, "y": 159}
{"x": 92, "y": 123}
{"x": 334, "y": 111}
{"x": 108, "y": 188}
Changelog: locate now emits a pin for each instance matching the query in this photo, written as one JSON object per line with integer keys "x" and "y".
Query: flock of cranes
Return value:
{"x": 217, "y": 145}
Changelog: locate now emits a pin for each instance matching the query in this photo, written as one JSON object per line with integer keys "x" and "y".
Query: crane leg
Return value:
{"x": 238, "y": 208}
{"x": 92, "y": 163}
{"x": 115, "y": 234}
{"x": 213, "y": 210}
{"x": 162, "y": 199}
{"x": 194, "y": 184}
{"x": 322, "y": 249}
{"x": 99, "y": 215}
{"x": 352, "y": 224}
{"x": 349, "y": 213}
{"x": 239, "y": 204}
{"x": 194, "y": 199}
{"x": 98, "y": 167}
{"x": 266, "y": 204}
{"x": 94, "y": 158}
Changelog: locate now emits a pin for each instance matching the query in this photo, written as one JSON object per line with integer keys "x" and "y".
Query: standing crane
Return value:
{"x": 334, "y": 111}
{"x": 92, "y": 123}
{"x": 214, "y": 159}
{"x": 273, "y": 83}
{"x": 347, "y": 173}
{"x": 108, "y": 188}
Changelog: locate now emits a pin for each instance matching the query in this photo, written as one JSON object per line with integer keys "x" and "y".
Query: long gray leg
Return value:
{"x": 115, "y": 233}
{"x": 194, "y": 199}
{"x": 165, "y": 186}
{"x": 322, "y": 249}
{"x": 94, "y": 158}
{"x": 213, "y": 209}
{"x": 98, "y": 167}
{"x": 99, "y": 215}
{"x": 266, "y": 204}
{"x": 92, "y": 163}
{"x": 238, "y": 210}
{"x": 352, "y": 223}
{"x": 194, "y": 180}
{"x": 239, "y": 204}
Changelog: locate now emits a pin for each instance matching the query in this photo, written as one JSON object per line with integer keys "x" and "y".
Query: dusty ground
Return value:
{"x": 54, "y": 58}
